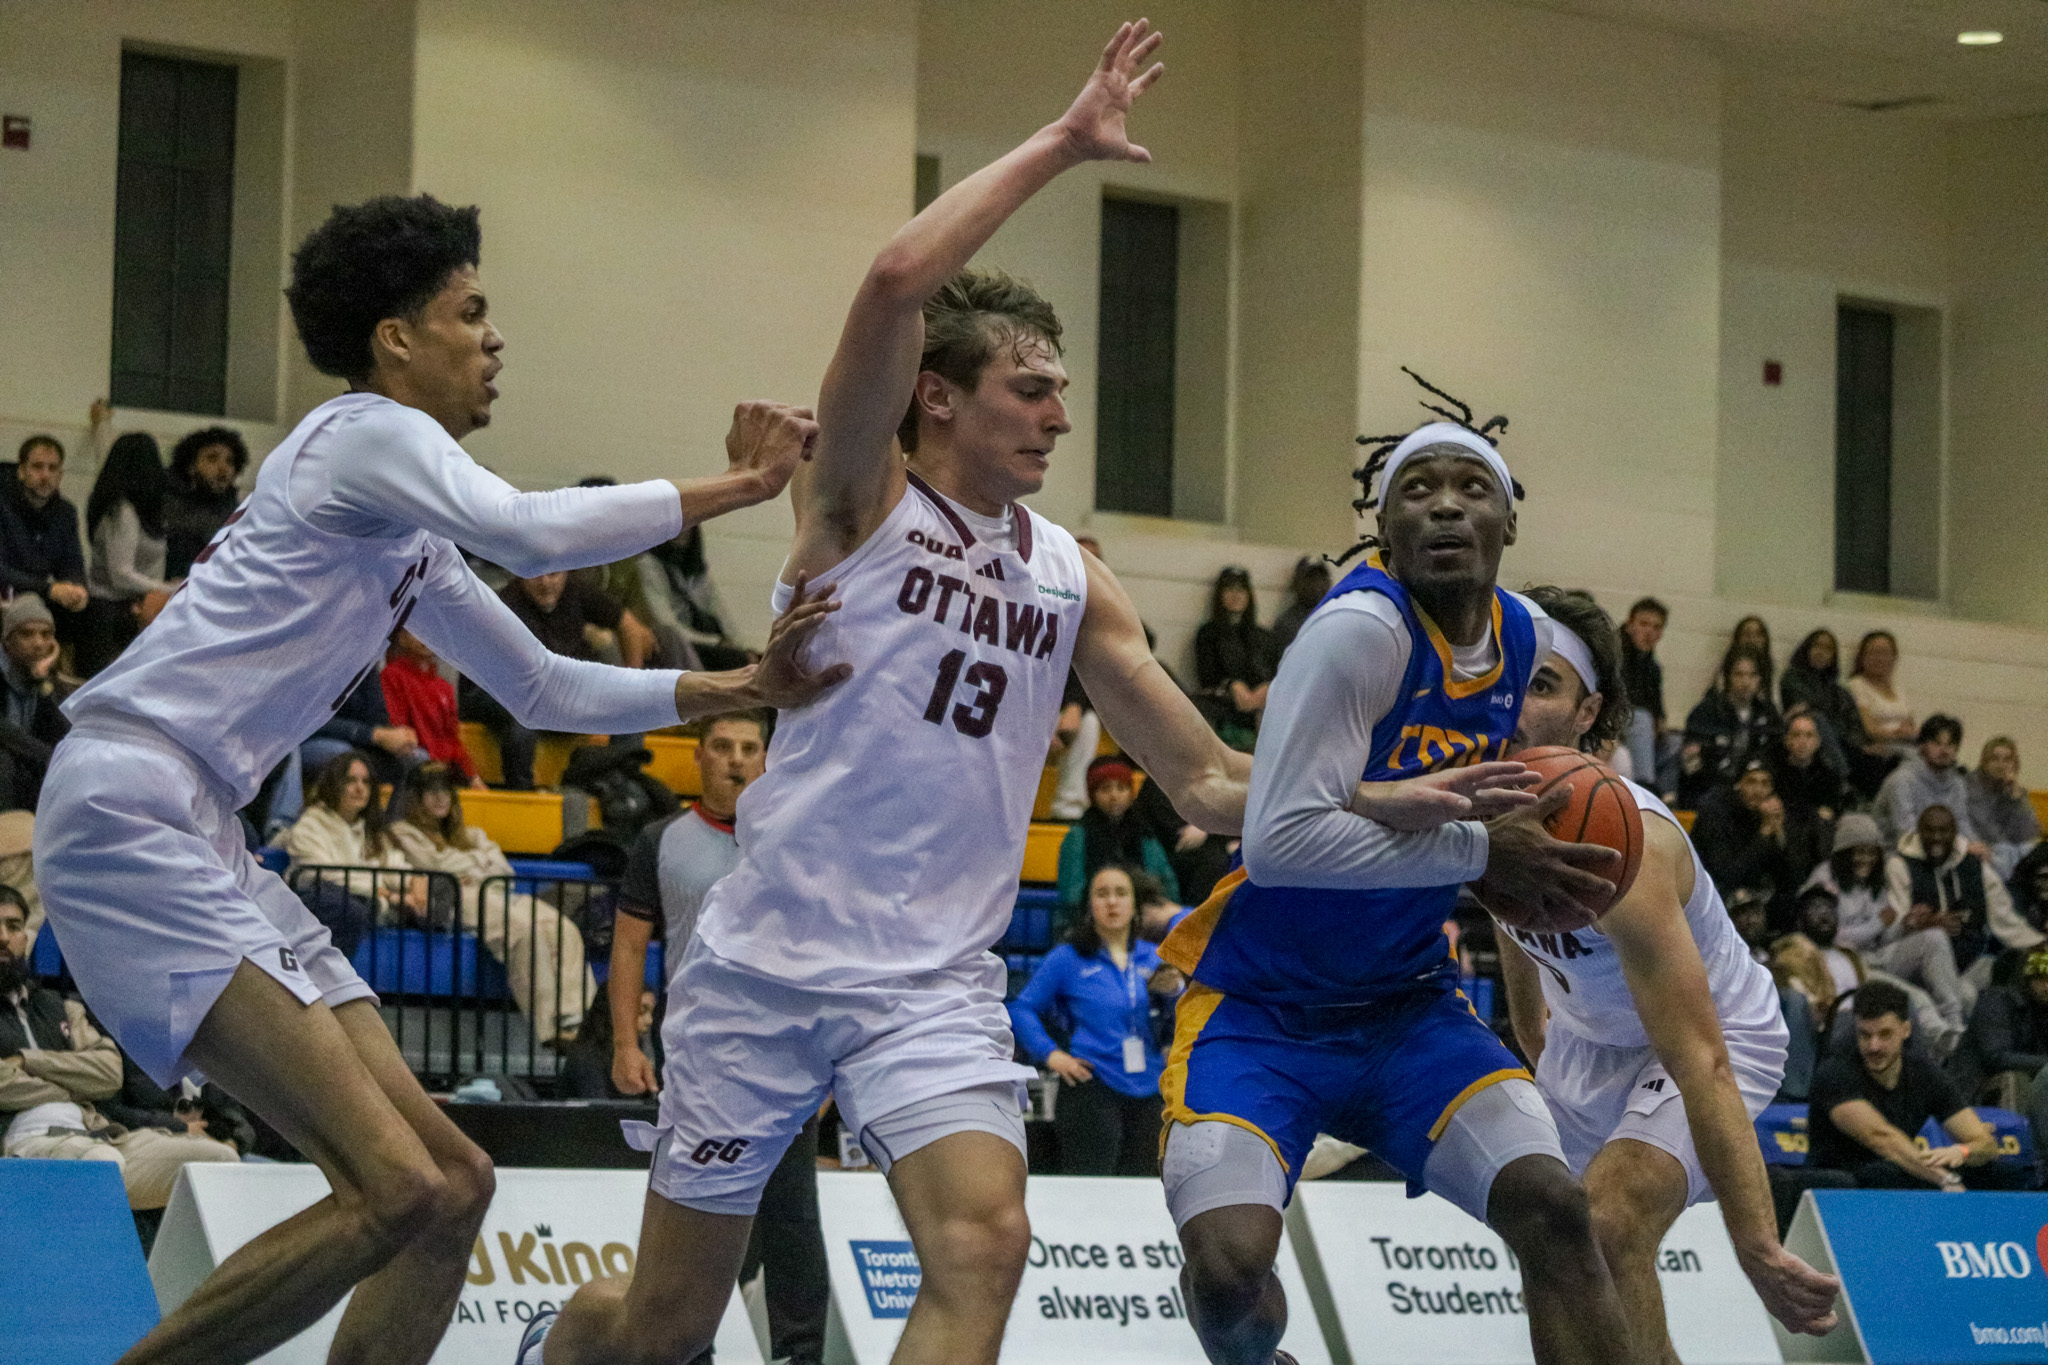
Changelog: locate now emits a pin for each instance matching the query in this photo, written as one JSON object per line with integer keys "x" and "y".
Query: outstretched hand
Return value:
{"x": 1481, "y": 791}
{"x": 782, "y": 679}
{"x": 1094, "y": 125}
{"x": 768, "y": 441}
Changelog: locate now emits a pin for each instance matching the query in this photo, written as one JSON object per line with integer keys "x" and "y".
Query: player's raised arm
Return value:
{"x": 1669, "y": 984}
{"x": 856, "y": 477}
{"x": 1150, "y": 716}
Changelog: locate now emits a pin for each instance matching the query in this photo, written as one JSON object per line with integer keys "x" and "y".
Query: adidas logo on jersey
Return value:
{"x": 1656, "y": 1086}
{"x": 992, "y": 569}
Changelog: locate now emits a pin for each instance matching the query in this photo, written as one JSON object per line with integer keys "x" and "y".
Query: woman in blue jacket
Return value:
{"x": 1100, "y": 983}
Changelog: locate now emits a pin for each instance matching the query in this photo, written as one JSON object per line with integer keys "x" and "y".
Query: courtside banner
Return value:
{"x": 547, "y": 1232}
{"x": 1419, "y": 1279}
{"x": 1101, "y": 1283}
{"x": 1929, "y": 1278}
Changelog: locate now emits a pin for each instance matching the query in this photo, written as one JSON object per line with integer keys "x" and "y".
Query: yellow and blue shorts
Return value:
{"x": 1387, "y": 1076}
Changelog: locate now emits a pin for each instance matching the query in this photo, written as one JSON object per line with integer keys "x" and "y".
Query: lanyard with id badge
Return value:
{"x": 1134, "y": 1043}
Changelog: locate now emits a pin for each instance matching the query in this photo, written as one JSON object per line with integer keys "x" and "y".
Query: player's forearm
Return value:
{"x": 716, "y": 494}
{"x": 1733, "y": 1164}
{"x": 630, "y": 937}
{"x": 702, "y": 694}
{"x": 932, "y": 247}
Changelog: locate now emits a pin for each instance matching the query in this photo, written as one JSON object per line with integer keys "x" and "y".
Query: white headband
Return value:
{"x": 1564, "y": 640}
{"x": 1451, "y": 434}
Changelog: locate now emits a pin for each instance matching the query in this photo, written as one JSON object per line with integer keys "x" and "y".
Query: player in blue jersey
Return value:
{"x": 1324, "y": 996}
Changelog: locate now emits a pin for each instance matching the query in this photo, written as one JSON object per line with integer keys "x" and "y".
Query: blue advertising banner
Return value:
{"x": 1934, "y": 1278}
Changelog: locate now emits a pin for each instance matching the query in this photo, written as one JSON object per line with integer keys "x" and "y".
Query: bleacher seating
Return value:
{"x": 674, "y": 763}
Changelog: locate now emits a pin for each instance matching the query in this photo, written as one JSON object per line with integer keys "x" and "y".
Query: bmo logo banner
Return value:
{"x": 1928, "y": 1277}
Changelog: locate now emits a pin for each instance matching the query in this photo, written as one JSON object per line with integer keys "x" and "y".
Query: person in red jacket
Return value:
{"x": 417, "y": 695}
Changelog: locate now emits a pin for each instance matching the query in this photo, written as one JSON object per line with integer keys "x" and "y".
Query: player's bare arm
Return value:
{"x": 632, "y": 1070}
{"x": 1528, "y": 1011}
{"x": 857, "y": 477}
{"x": 1668, "y": 981}
{"x": 782, "y": 679}
{"x": 1150, "y": 716}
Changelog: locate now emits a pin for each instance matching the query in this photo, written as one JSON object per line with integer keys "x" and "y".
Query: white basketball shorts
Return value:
{"x": 1599, "y": 1093}
{"x": 156, "y": 900}
{"x": 748, "y": 1059}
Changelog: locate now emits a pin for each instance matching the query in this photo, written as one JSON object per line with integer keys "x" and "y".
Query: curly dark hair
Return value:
{"x": 972, "y": 314}
{"x": 385, "y": 258}
{"x": 186, "y": 452}
{"x": 1576, "y": 611}
{"x": 1384, "y": 446}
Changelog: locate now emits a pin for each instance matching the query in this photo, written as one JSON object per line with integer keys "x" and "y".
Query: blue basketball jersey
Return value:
{"x": 1319, "y": 945}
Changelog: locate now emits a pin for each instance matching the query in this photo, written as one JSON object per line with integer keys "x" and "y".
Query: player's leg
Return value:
{"x": 1543, "y": 1215}
{"x": 295, "y": 1066}
{"x": 399, "y": 1313}
{"x": 668, "y": 1310}
{"x": 962, "y": 1198}
{"x": 1637, "y": 1192}
{"x": 789, "y": 1243}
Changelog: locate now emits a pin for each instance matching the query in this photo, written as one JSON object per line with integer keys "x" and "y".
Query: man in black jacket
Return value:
{"x": 1748, "y": 837}
{"x": 40, "y": 549}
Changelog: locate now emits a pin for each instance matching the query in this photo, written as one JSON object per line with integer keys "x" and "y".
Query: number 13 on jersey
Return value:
{"x": 976, "y": 716}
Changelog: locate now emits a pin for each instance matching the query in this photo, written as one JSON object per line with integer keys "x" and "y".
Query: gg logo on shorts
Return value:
{"x": 719, "y": 1149}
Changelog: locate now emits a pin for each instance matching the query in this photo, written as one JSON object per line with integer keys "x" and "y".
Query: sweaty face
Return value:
{"x": 1879, "y": 1040}
{"x": 731, "y": 756}
{"x": 1445, "y": 521}
{"x": 214, "y": 468}
{"x": 40, "y": 471}
{"x": 1557, "y": 709}
{"x": 1003, "y": 430}
{"x": 1937, "y": 829}
{"x": 450, "y": 354}
{"x": 1111, "y": 901}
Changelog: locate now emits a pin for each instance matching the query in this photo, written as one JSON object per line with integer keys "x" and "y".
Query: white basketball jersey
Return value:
{"x": 887, "y": 836}
{"x": 1582, "y": 977}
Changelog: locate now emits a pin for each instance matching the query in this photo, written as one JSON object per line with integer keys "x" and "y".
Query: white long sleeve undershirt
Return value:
{"x": 1338, "y": 679}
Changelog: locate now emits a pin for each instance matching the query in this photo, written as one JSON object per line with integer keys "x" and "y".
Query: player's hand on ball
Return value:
{"x": 1538, "y": 882}
{"x": 1795, "y": 1293}
{"x": 782, "y": 679}
{"x": 768, "y": 441}
{"x": 1479, "y": 792}
{"x": 1094, "y": 125}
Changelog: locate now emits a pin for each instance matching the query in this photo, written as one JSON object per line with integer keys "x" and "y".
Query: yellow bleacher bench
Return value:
{"x": 1042, "y": 852}
{"x": 549, "y": 760}
{"x": 525, "y": 823}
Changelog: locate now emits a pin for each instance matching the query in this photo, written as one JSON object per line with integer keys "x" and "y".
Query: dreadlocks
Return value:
{"x": 1383, "y": 446}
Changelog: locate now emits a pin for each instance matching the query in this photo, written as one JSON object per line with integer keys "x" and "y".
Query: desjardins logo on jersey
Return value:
{"x": 1061, "y": 593}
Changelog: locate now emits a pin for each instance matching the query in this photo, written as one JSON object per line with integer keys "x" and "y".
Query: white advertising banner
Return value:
{"x": 547, "y": 1232}
{"x": 1102, "y": 1282}
{"x": 1419, "y": 1279}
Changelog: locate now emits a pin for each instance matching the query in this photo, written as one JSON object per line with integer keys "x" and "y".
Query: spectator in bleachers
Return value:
{"x": 2028, "y": 885}
{"x": 1928, "y": 777}
{"x": 363, "y": 724}
{"x": 1100, "y": 981}
{"x": 1811, "y": 685}
{"x": 54, "y": 1065}
{"x": 28, "y": 640}
{"x": 200, "y": 493}
{"x": 1752, "y": 634}
{"x": 1801, "y": 772}
{"x": 2009, "y": 1032}
{"x": 1855, "y": 874}
{"x": 419, "y": 699}
{"x": 1650, "y": 754}
{"x": 1749, "y": 910}
{"x": 1157, "y": 911}
{"x": 124, "y": 519}
{"x": 2000, "y": 811}
{"x": 1108, "y": 832}
{"x": 1748, "y": 837}
{"x": 573, "y": 619}
{"x": 1936, "y": 882}
{"x": 541, "y": 952}
{"x": 1814, "y": 961}
{"x": 1888, "y": 724}
{"x": 343, "y": 826}
{"x": 1865, "y": 1109}
{"x": 1235, "y": 658}
{"x": 683, "y": 603}
{"x": 1733, "y": 723}
{"x": 40, "y": 549}
{"x": 1305, "y": 591}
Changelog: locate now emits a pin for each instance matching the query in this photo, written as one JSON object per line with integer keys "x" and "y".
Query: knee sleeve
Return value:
{"x": 1213, "y": 1165}
{"x": 1502, "y": 1123}
{"x": 992, "y": 1108}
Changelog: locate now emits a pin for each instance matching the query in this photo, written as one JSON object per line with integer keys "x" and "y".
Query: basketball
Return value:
{"x": 1601, "y": 809}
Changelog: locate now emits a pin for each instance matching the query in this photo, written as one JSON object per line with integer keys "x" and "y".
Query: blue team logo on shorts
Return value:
{"x": 889, "y": 1273}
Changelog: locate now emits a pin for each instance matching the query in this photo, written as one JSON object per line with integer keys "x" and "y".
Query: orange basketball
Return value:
{"x": 1600, "y": 810}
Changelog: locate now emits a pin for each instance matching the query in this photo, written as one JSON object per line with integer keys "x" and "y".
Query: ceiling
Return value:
{"x": 1899, "y": 56}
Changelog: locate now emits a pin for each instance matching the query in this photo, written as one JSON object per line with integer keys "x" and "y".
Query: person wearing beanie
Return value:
{"x": 1109, "y": 831}
{"x": 34, "y": 689}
